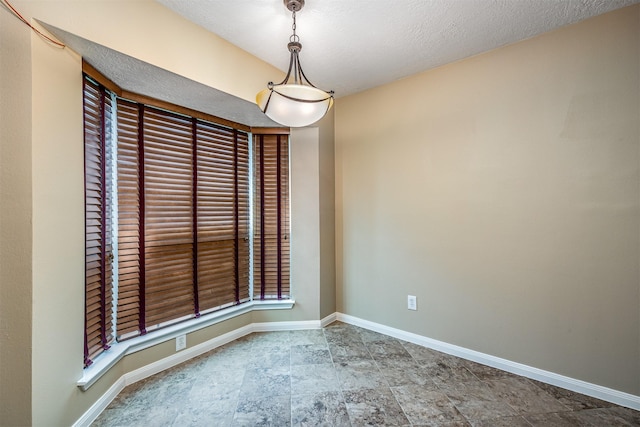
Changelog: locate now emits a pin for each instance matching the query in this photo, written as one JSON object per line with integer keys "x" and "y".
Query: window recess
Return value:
{"x": 183, "y": 209}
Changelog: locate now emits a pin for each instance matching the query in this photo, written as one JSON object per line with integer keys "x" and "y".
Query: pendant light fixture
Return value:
{"x": 295, "y": 101}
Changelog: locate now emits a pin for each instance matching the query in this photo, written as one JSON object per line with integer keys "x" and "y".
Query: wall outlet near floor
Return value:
{"x": 181, "y": 342}
{"x": 412, "y": 302}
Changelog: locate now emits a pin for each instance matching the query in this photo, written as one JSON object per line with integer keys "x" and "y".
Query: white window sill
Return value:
{"x": 110, "y": 357}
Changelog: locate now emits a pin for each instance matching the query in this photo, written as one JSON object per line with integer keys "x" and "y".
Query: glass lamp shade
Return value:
{"x": 309, "y": 106}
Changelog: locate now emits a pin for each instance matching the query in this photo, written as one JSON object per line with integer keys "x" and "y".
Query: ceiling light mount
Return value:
{"x": 297, "y": 103}
{"x": 294, "y": 5}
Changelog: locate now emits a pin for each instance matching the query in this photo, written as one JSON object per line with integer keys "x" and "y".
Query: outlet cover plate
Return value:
{"x": 181, "y": 342}
{"x": 412, "y": 302}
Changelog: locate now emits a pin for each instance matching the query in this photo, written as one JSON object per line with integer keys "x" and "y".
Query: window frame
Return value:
{"x": 116, "y": 349}
{"x": 99, "y": 250}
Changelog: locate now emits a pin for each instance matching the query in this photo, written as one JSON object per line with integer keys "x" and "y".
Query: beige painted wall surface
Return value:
{"x": 503, "y": 191}
{"x": 305, "y": 220}
{"x": 43, "y": 168}
{"x": 326, "y": 154}
{"x": 15, "y": 223}
{"x": 152, "y": 33}
{"x": 58, "y": 235}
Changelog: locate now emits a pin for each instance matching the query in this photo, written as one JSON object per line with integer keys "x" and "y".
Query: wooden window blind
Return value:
{"x": 169, "y": 227}
{"x": 130, "y": 220}
{"x": 98, "y": 198}
{"x": 183, "y": 217}
{"x": 271, "y": 255}
{"x": 222, "y": 216}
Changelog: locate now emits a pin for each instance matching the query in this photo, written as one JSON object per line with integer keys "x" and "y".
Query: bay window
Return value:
{"x": 179, "y": 208}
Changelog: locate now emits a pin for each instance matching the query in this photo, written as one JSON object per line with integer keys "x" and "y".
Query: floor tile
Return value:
{"x": 359, "y": 374}
{"x": 626, "y": 414}
{"x": 313, "y": 378}
{"x": 342, "y": 333}
{"x": 484, "y": 372}
{"x": 208, "y": 411}
{"x": 427, "y": 407}
{"x": 270, "y": 357}
{"x": 374, "y": 407}
{"x": 610, "y": 417}
{"x": 436, "y": 360}
{"x": 270, "y": 339}
{"x": 419, "y": 352}
{"x": 558, "y": 419}
{"x": 502, "y": 422}
{"x": 245, "y": 341}
{"x": 310, "y": 354}
{"x": 143, "y": 395}
{"x": 572, "y": 400}
{"x": 227, "y": 357}
{"x": 369, "y": 336}
{"x": 525, "y": 397}
{"x": 387, "y": 349}
{"x": 216, "y": 384}
{"x": 307, "y": 336}
{"x": 319, "y": 409}
{"x": 444, "y": 374}
{"x": 152, "y": 417}
{"x": 402, "y": 371}
{"x": 266, "y": 382}
{"x": 263, "y": 411}
{"x": 345, "y": 351}
{"x": 476, "y": 401}
{"x": 328, "y": 377}
{"x": 158, "y": 388}
{"x": 340, "y": 326}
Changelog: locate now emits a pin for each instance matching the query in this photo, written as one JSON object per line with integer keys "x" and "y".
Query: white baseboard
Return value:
{"x": 579, "y": 386}
{"x": 285, "y": 326}
{"x": 182, "y": 356}
{"x": 101, "y": 404}
{"x": 328, "y": 320}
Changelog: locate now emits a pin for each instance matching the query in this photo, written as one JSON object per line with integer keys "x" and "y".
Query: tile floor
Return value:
{"x": 347, "y": 376}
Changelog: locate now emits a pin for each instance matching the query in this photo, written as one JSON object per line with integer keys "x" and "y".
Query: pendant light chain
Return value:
{"x": 294, "y": 37}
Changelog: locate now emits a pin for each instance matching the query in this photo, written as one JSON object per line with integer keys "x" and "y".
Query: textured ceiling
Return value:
{"x": 350, "y": 46}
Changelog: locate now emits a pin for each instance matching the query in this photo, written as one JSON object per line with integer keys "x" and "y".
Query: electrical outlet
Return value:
{"x": 181, "y": 342}
{"x": 412, "y": 302}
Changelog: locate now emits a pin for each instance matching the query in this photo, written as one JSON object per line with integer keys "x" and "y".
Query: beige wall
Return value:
{"x": 305, "y": 219}
{"x": 15, "y": 223}
{"x": 41, "y": 190}
{"x": 57, "y": 225}
{"x": 326, "y": 158}
{"x": 503, "y": 191}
